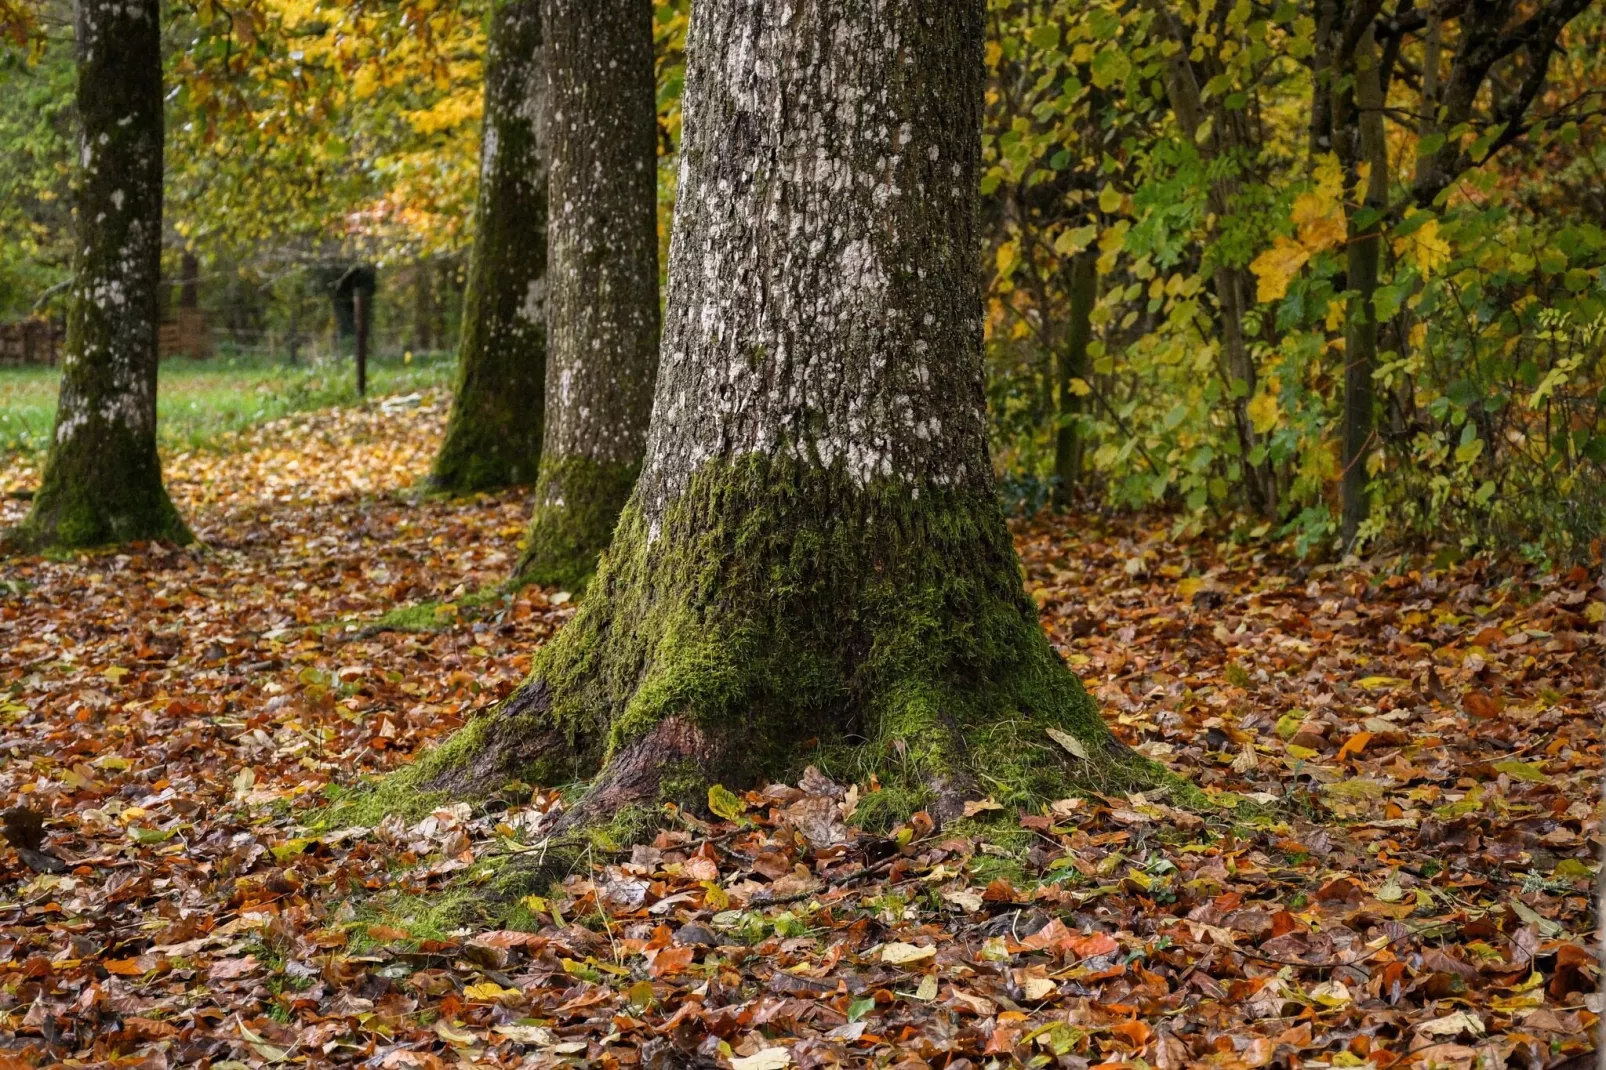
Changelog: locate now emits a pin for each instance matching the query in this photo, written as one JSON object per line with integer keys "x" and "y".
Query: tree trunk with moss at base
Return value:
{"x": 493, "y": 436}
{"x": 603, "y": 310}
{"x": 814, "y": 566}
{"x": 102, "y": 480}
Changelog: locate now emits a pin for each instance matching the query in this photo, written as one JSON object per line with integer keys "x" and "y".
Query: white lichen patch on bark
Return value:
{"x": 824, "y": 296}
{"x": 111, "y": 359}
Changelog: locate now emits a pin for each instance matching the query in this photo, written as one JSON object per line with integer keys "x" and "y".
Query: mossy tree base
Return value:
{"x": 783, "y": 616}
{"x": 577, "y": 504}
{"x": 77, "y": 515}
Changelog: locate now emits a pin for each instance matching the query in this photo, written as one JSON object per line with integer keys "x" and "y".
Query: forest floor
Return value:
{"x": 1408, "y": 885}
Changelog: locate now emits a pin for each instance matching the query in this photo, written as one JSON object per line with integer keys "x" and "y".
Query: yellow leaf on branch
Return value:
{"x": 1424, "y": 248}
{"x": 1263, "y": 414}
{"x": 1276, "y": 267}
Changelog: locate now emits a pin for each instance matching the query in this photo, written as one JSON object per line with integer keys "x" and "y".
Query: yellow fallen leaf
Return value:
{"x": 1038, "y": 987}
{"x": 455, "y": 1036}
{"x": 489, "y": 990}
{"x": 1452, "y": 1025}
{"x": 1069, "y": 742}
{"x": 898, "y": 954}
{"x": 1331, "y": 994}
{"x": 768, "y": 1059}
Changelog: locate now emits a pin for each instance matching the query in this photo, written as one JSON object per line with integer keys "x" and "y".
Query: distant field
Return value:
{"x": 197, "y": 402}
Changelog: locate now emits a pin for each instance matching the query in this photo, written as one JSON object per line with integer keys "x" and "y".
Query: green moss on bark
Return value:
{"x": 103, "y": 496}
{"x": 782, "y": 615}
{"x": 577, "y": 504}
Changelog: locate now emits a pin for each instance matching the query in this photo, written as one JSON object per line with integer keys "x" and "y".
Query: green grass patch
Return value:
{"x": 200, "y": 403}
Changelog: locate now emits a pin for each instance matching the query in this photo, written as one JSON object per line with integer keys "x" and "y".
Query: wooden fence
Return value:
{"x": 35, "y": 341}
{"x": 30, "y": 341}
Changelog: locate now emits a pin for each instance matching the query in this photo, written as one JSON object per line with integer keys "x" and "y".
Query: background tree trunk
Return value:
{"x": 814, "y": 566}
{"x": 189, "y": 280}
{"x": 1360, "y": 112}
{"x": 603, "y": 311}
{"x": 493, "y": 436}
{"x": 1233, "y": 285}
{"x": 102, "y": 479}
{"x": 1073, "y": 364}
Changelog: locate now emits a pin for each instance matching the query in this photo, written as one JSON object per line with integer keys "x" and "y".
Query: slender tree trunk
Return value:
{"x": 814, "y": 565}
{"x": 424, "y": 307}
{"x": 102, "y": 480}
{"x": 1232, "y": 284}
{"x": 1363, "y": 119}
{"x": 189, "y": 281}
{"x": 493, "y": 436}
{"x": 603, "y": 326}
{"x": 1072, "y": 365}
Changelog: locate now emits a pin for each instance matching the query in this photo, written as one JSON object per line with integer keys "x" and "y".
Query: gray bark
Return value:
{"x": 823, "y": 297}
{"x": 602, "y": 334}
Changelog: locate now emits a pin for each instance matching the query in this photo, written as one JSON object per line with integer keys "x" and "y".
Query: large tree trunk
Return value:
{"x": 603, "y": 310}
{"x": 814, "y": 566}
{"x": 493, "y": 436}
{"x": 102, "y": 481}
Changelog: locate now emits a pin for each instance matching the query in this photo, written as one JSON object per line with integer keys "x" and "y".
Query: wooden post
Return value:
{"x": 360, "y": 315}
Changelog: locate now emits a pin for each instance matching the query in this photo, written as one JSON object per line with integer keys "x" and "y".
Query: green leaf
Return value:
{"x": 1110, "y": 65}
{"x": 150, "y": 836}
{"x": 1516, "y": 770}
{"x": 725, "y": 803}
{"x": 1045, "y": 37}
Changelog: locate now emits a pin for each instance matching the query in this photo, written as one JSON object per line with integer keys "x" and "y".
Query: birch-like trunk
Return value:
{"x": 493, "y": 436}
{"x": 102, "y": 479}
{"x": 602, "y": 333}
{"x": 814, "y": 566}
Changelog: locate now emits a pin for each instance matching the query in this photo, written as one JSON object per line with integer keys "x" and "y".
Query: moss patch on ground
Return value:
{"x": 436, "y": 616}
